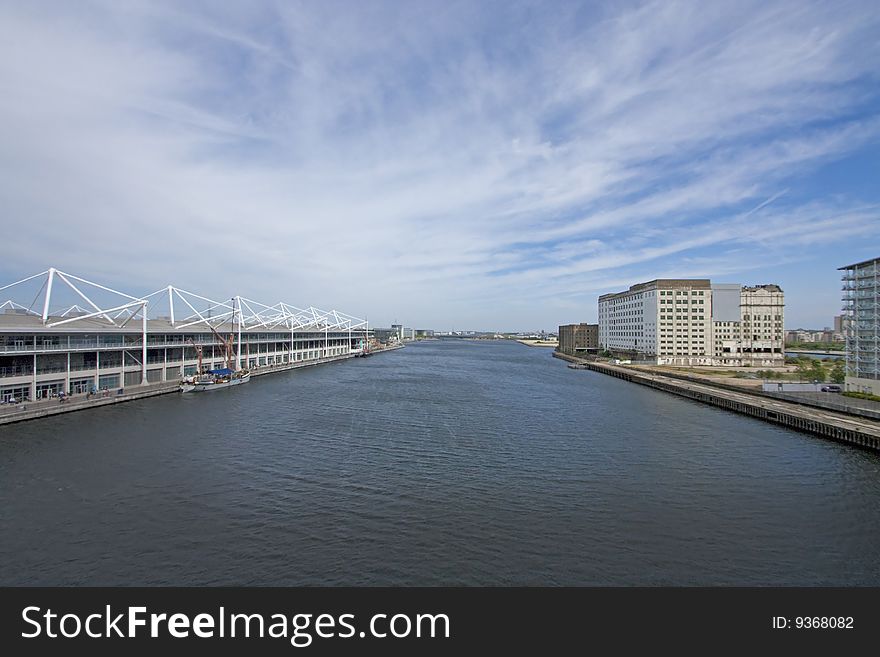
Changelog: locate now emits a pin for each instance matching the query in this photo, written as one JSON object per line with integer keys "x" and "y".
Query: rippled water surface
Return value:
{"x": 442, "y": 463}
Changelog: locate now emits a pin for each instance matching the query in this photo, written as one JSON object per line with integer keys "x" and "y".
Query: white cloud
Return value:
{"x": 440, "y": 164}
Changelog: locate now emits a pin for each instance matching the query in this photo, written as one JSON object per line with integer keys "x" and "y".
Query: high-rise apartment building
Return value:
{"x": 695, "y": 322}
{"x": 861, "y": 298}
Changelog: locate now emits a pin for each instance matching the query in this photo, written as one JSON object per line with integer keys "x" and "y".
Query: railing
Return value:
{"x": 861, "y": 272}
{"x": 190, "y": 357}
{"x": 51, "y": 369}
{"x": 138, "y": 344}
{"x": 82, "y": 367}
{"x": 16, "y": 371}
{"x": 831, "y": 402}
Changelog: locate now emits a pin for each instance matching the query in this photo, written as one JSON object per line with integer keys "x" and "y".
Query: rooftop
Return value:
{"x": 860, "y": 264}
{"x": 52, "y": 299}
{"x": 699, "y": 283}
{"x": 33, "y": 324}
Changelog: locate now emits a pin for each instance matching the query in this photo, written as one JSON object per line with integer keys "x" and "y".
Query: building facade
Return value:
{"x": 386, "y": 335}
{"x": 667, "y": 320}
{"x": 807, "y": 335}
{"x": 758, "y": 338}
{"x": 861, "y": 298}
{"x": 579, "y": 338}
{"x": 38, "y": 362}
{"x": 76, "y": 351}
{"x": 695, "y": 322}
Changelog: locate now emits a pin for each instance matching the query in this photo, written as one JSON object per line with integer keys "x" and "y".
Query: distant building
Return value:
{"x": 695, "y": 322}
{"x": 579, "y": 338}
{"x": 424, "y": 333}
{"x": 811, "y": 335}
{"x": 386, "y": 335}
{"x": 861, "y": 298}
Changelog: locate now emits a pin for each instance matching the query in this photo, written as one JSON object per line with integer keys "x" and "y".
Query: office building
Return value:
{"x": 695, "y": 322}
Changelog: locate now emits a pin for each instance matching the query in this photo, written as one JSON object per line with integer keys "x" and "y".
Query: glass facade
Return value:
{"x": 861, "y": 318}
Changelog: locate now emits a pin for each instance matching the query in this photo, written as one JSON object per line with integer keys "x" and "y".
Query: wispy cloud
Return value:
{"x": 475, "y": 164}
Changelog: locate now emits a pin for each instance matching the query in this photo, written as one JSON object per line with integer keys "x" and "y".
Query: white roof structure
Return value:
{"x": 185, "y": 310}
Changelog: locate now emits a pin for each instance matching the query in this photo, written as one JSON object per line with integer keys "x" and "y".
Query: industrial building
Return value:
{"x": 695, "y": 322}
{"x": 579, "y": 338}
{"x": 47, "y": 348}
{"x": 748, "y": 325}
{"x": 861, "y": 319}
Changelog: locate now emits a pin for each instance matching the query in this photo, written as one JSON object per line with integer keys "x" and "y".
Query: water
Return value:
{"x": 803, "y": 354}
{"x": 444, "y": 463}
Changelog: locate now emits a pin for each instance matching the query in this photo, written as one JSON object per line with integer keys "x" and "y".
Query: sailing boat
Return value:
{"x": 216, "y": 379}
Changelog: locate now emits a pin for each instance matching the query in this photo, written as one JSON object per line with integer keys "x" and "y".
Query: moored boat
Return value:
{"x": 215, "y": 380}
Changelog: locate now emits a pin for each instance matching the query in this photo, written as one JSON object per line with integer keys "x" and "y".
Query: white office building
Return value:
{"x": 695, "y": 322}
{"x": 667, "y": 320}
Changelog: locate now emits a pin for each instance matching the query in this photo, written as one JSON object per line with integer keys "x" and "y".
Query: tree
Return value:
{"x": 817, "y": 372}
{"x": 803, "y": 368}
{"x": 838, "y": 372}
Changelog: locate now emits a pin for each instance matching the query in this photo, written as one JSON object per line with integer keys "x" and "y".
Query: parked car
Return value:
{"x": 831, "y": 388}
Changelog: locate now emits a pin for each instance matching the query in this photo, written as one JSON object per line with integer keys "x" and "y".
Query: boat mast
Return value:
{"x": 198, "y": 349}
{"x": 238, "y": 351}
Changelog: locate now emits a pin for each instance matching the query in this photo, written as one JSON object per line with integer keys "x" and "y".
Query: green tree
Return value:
{"x": 803, "y": 368}
{"x": 838, "y": 372}
{"x": 817, "y": 372}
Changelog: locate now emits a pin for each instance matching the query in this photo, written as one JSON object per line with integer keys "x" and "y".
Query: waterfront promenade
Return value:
{"x": 846, "y": 428}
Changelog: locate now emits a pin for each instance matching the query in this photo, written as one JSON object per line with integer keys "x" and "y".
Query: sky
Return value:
{"x": 445, "y": 165}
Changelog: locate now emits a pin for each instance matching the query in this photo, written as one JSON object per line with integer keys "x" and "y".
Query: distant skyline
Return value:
{"x": 477, "y": 166}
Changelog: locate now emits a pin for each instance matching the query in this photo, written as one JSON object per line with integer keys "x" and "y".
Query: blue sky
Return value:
{"x": 444, "y": 164}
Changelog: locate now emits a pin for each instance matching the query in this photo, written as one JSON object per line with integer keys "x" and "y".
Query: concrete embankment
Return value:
{"x": 837, "y": 426}
{"x": 34, "y": 410}
{"x": 46, "y": 408}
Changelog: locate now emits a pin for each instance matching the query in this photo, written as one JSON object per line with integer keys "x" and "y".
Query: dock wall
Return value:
{"x": 836, "y": 426}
